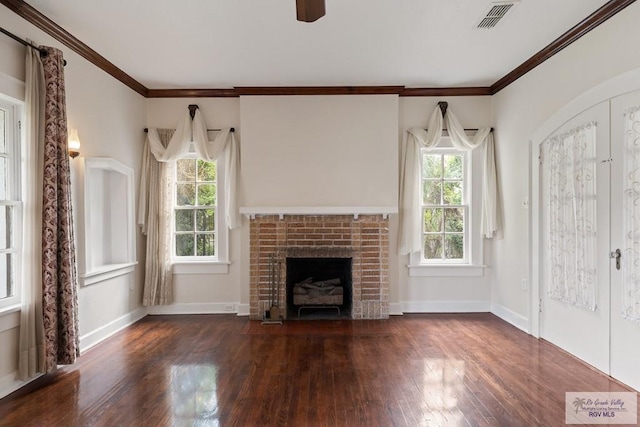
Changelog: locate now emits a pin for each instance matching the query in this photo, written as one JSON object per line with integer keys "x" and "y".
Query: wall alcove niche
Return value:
{"x": 109, "y": 222}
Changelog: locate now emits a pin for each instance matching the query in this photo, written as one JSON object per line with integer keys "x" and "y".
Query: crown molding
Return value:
{"x": 319, "y": 90}
{"x": 598, "y": 17}
{"x": 39, "y": 20}
{"x": 447, "y": 91}
{"x": 191, "y": 93}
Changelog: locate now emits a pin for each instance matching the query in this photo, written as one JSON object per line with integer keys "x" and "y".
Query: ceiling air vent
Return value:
{"x": 495, "y": 13}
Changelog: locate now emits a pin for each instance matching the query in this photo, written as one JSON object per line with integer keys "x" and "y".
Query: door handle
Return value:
{"x": 617, "y": 254}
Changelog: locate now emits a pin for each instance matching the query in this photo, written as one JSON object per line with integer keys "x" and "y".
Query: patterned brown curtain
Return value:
{"x": 59, "y": 279}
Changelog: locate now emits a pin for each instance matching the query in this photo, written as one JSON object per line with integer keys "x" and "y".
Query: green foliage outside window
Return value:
{"x": 443, "y": 206}
{"x": 195, "y": 207}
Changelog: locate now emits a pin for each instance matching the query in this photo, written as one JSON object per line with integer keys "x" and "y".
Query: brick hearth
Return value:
{"x": 365, "y": 240}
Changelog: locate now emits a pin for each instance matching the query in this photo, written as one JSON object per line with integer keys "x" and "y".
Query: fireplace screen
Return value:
{"x": 318, "y": 287}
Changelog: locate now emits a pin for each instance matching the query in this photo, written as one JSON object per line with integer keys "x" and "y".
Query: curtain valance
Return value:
{"x": 195, "y": 131}
{"x": 410, "y": 216}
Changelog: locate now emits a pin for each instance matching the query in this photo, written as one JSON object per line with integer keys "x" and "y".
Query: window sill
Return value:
{"x": 442, "y": 270}
{"x": 10, "y": 317}
{"x": 201, "y": 267}
{"x": 107, "y": 272}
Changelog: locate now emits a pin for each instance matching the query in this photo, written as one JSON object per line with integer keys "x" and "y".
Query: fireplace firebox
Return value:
{"x": 318, "y": 287}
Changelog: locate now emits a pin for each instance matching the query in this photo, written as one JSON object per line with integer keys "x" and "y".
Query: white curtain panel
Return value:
{"x": 154, "y": 213}
{"x": 569, "y": 165}
{"x": 631, "y": 217}
{"x": 410, "y": 215}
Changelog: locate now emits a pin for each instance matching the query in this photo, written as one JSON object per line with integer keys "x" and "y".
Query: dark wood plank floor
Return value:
{"x": 221, "y": 370}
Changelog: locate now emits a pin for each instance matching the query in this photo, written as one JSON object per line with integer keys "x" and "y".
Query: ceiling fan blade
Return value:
{"x": 310, "y": 10}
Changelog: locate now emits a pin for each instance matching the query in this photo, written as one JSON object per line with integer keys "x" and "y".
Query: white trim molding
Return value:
{"x": 195, "y": 308}
{"x": 200, "y": 267}
{"x": 385, "y": 211}
{"x": 510, "y": 316}
{"x": 446, "y": 306}
{"x": 96, "y": 336}
{"x": 395, "y": 309}
{"x": 243, "y": 310}
{"x": 10, "y": 383}
{"x": 10, "y": 318}
{"x": 441, "y": 270}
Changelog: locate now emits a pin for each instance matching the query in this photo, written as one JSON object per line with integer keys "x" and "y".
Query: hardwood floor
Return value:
{"x": 222, "y": 370}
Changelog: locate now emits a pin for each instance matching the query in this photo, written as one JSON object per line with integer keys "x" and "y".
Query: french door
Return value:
{"x": 625, "y": 236}
{"x": 607, "y": 335}
{"x": 564, "y": 318}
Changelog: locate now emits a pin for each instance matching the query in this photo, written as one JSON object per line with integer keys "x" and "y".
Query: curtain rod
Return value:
{"x": 146, "y": 130}
{"x": 43, "y": 52}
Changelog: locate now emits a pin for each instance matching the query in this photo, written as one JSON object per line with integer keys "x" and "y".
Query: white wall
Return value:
{"x": 208, "y": 293}
{"x": 447, "y": 294}
{"x": 519, "y": 110}
{"x": 110, "y": 118}
{"x": 307, "y": 151}
{"x": 270, "y": 128}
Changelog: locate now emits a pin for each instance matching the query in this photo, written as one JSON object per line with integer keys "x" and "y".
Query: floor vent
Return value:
{"x": 495, "y": 13}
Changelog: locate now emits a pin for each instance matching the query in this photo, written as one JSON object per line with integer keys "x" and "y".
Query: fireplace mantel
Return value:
{"x": 356, "y": 211}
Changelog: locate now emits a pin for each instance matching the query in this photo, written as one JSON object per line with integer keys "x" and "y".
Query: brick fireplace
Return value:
{"x": 362, "y": 238}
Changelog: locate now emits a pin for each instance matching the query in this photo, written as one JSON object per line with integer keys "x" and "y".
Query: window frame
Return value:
{"x": 14, "y": 173}
{"x": 473, "y": 265}
{"x": 219, "y": 263}
{"x": 465, "y": 205}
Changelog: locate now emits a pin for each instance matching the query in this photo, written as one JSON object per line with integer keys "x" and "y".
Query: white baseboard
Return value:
{"x": 395, "y": 309}
{"x": 196, "y": 308}
{"x": 97, "y": 336}
{"x": 510, "y": 316}
{"x": 243, "y": 310}
{"x": 446, "y": 306}
{"x": 10, "y": 383}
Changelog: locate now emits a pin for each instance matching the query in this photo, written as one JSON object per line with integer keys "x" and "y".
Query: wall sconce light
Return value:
{"x": 74, "y": 143}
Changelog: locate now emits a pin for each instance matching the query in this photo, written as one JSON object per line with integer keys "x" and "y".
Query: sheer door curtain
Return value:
{"x": 569, "y": 180}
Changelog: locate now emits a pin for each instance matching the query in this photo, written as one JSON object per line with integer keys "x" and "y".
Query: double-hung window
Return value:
{"x": 450, "y": 213}
{"x": 200, "y": 234}
{"x": 195, "y": 208}
{"x": 10, "y": 206}
{"x": 445, "y": 206}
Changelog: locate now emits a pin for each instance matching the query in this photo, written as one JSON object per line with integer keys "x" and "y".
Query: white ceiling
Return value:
{"x": 225, "y": 43}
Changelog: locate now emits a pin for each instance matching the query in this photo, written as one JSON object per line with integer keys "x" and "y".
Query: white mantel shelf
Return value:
{"x": 319, "y": 210}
